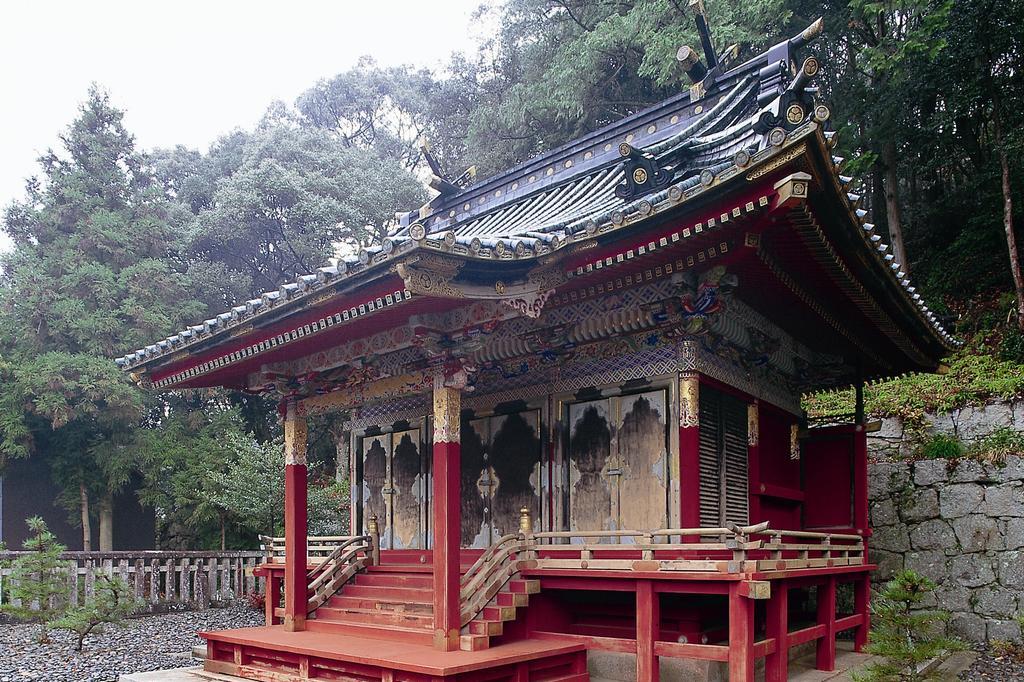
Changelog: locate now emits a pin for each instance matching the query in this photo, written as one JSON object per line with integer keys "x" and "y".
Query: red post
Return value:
{"x": 689, "y": 450}
{"x": 776, "y": 665}
{"x": 271, "y": 596}
{"x": 862, "y": 605}
{"x": 860, "y": 480}
{"x": 295, "y": 530}
{"x": 648, "y": 621}
{"x": 754, "y": 461}
{"x": 447, "y": 522}
{"x": 741, "y": 636}
{"x": 826, "y": 653}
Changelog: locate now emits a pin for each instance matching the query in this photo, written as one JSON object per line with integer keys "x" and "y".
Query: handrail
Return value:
{"x": 752, "y": 548}
{"x": 337, "y": 552}
{"x": 339, "y": 561}
{"x": 486, "y": 556}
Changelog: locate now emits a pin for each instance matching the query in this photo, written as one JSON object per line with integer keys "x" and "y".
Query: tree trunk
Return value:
{"x": 342, "y": 460}
{"x": 892, "y": 205}
{"x": 107, "y": 523}
{"x": 86, "y": 525}
{"x": 223, "y": 532}
{"x": 1011, "y": 238}
{"x": 342, "y": 473}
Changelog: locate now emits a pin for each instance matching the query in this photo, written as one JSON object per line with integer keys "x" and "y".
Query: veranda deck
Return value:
{"x": 270, "y": 653}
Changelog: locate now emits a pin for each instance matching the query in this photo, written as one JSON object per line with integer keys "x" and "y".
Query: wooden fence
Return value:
{"x": 190, "y": 579}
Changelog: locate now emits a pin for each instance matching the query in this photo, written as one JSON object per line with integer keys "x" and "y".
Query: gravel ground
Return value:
{"x": 989, "y": 666}
{"x": 147, "y": 643}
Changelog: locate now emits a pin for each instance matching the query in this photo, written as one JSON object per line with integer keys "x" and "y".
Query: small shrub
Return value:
{"x": 941, "y": 446}
{"x": 38, "y": 579}
{"x": 257, "y": 601}
{"x": 904, "y": 636}
{"x": 1011, "y": 347}
{"x": 113, "y": 603}
{"x": 997, "y": 446}
{"x": 1004, "y": 648}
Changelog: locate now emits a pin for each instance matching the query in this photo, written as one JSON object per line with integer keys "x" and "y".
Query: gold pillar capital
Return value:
{"x": 295, "y": 435}
{"x": 447, "y": 406}
{"x": 689, "y": 401}
{"x": 753, "y": 425}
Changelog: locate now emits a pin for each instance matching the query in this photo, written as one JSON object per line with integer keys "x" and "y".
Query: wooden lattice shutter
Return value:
{"x": 710, "y": 458}
{"x": 723, "y": 459}
{"x": 734, "y": 456}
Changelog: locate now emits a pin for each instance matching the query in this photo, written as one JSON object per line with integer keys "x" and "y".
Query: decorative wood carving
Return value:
{"x": 446, "y": 412}
{"x": 689, "y": 401}
{"x": 295, "y": 435}
{"x": 753, "y": 425}
{"x": 430, "y": 275}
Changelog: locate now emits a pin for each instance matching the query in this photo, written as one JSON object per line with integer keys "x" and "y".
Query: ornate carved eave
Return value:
{"x": 434, "y": 275}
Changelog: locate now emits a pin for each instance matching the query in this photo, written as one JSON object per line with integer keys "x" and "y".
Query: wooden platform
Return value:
{"x": 270, "y": 653}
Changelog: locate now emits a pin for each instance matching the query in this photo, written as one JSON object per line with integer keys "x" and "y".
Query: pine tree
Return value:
{"x": 95, "y": 272}
{"x": 902, "y": 634}
{"x": 112, "y": 604}
{"x": 38, "y": 579}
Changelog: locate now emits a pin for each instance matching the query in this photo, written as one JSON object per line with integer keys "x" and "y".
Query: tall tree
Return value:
{"x": 94, "y": 273}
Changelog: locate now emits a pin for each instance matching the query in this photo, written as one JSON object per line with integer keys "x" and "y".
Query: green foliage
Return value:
{"x": 95, "y": 271}
{"x": 941, "y": 446}
{"x": 997, "y": 446}
{"x": 252, "y": 490}
{"x": 975, "y": 376}
{"x": 557, "y": 70}
{"x": 112, "y": 604}
{"x": 38, "y": 579}
{"x": 903, "y": 634}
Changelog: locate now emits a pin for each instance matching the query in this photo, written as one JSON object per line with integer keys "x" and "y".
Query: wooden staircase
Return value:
{"x": 503, "y": 607}
{"x": 395, "y": 601}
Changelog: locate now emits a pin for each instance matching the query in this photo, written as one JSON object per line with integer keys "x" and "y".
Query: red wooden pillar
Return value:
{"x": 295, "y": 491}
{"x": 648, "y": 621}
{"x": 271, "y": 597}
{"x": 862, "y": 605}
{"x": 447, "y": 522}
{"x": 689, "y": 450}
{"x": 776, "y": 665}
{"x": 741, "y": 635}
{"x": 754, "y": 461}
{"x": 826, "y": 653}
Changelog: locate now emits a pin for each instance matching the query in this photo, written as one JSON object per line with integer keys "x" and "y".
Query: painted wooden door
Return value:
{"x": 618, "y": 457}
{"x": 500, "y": 474}
{"x": 395, "y": 486}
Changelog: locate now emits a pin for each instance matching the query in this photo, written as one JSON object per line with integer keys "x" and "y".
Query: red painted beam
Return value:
{"x": 862, "y": 607}
{"x": 689, "y": 451}
{"x": 754, "y": 462}
{"x": 825, "y": 658}
{"x": 702, "y": 652}
{"x": 849, "y": 622}
{"x": 616, "y": 644}
{"x": 295, "y": 526}
{"x": 447, "y": 517}
{"x": 648, "y": 622}
{"x": 860, "y": 479}
{"x": 295, "y": 584}
{"x": 271, "y": 596}
{"x": 776, "y": 665}
{"x": 741, "y": 636}
{"x": 806, "y": 635}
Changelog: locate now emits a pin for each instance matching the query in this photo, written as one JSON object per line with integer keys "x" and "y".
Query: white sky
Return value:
{"x": 188, "y": 71}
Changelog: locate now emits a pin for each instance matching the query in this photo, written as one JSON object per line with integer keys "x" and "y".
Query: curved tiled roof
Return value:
{"x": 549, "y": 202}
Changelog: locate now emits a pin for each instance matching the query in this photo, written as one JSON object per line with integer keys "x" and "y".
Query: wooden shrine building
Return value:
{"x": 573, "y": 391}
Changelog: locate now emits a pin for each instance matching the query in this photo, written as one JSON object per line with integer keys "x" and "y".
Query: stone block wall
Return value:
{"x": 960, "y": 524}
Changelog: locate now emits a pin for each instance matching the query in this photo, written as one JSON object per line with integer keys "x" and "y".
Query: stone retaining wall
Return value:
{"x": 960, "y": 524}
